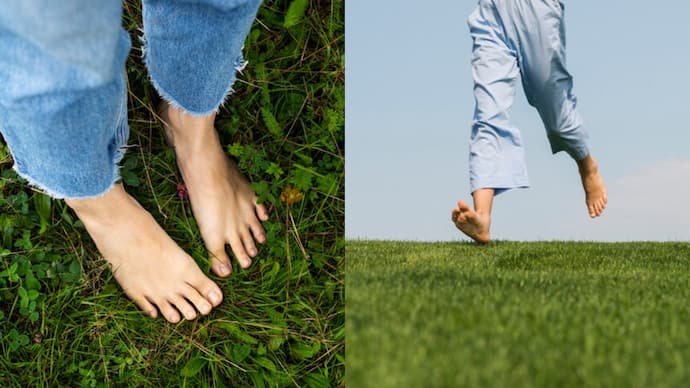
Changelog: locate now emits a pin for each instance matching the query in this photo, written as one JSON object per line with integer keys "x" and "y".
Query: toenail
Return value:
{"x": 214, "y": 297}
{"x": 223, "y": 269}
{"x": 205, "y": 309}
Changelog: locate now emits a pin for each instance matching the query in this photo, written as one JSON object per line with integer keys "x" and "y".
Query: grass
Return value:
{"x": 64, "y": 320}
{"x": 543, "y": 314}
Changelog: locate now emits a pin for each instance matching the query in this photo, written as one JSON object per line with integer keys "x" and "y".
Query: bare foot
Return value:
{"x": 150, "y": 267}
{"x": 223, "y": 203}
{"x": 475, "y": 225}
{"x": 593, "y": 183}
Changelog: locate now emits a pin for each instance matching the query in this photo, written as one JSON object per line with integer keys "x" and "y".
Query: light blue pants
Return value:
{"x": 63, "y": 93}
{"x": 526, "y": 39}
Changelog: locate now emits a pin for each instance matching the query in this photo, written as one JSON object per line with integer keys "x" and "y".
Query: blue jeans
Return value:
{"x": 525, "y": 39}
{"x": 63, "y": 92}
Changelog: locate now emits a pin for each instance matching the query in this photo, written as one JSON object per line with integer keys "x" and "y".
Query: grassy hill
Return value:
{"x": 544, "y": 314}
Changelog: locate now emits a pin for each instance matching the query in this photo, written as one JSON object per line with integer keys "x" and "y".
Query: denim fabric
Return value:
{"x": 63, "y": 94}
{"x": 190, "y": 47}
{"x": 515, "y": 39}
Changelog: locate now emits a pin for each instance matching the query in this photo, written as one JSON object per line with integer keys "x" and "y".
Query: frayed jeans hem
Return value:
{"x": 59, "y": 193}
{"x": 239, "y": 65}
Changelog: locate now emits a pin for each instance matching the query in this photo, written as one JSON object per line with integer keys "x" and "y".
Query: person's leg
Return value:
{"x": 496, "y": 153}
{"x": 538, "y": 30}
{"x": 63, "y": 114}
{"x": 192, "y": 52}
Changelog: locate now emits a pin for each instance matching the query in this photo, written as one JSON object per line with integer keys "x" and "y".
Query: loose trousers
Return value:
{"x": 519, "y": 39}
{"x": 63, "y": 93}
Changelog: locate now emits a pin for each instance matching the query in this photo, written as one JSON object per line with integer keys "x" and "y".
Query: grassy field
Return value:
{"x": 512, "y": 314}
{"x": 64, "y": 320}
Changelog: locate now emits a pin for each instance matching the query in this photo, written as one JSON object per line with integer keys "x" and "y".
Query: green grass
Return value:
{"x": 543, "y": 314}
{"x": 64, "y": 320}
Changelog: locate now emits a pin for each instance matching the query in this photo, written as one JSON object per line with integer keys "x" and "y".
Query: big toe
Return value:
{"x": 463, "y": 206}
{"x": 207, "y": 288}
{"x": 220, "y": 262}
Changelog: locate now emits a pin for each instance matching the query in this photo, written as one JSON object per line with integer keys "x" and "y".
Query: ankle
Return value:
{"x": 483, "y": 213}
{"x": 187, "y": 132}
{"x": 182, "y": 122}
{"x": 587, "y": 166}
{"x": 98, "y": 205}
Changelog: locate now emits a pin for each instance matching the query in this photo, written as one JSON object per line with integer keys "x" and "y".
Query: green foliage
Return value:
{"x": 193, "y": 367}
{"x": 129, "y": 172}
{"x": 65, "y": 322}
{"x": 295, "y": 12}
{"x": 42, "y": 203}
{"x": 556, "y": 314}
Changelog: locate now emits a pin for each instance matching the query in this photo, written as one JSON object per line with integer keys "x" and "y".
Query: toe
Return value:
{"x": 262, "y": 212}
{"x": 248, "y": 243}
{"x": 220, "y": 262}
{"x": 197, "y": 299}
{"x": 146, "y": 306}
{"x": 239, "y": 252}
{"x": 463, "y": 206}
{"x": 168, "y": 311}
{"x": 207, "y": 288}
{"x": 258, "y": 231}
{"x": 184, "y": 307}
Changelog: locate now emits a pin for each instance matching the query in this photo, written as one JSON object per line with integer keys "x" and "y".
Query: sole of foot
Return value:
{"x": 472, "y": 224}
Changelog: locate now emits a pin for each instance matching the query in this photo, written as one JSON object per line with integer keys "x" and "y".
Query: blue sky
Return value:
{"x": 409, "y": 108}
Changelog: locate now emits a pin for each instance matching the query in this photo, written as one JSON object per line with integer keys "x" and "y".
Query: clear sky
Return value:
{"x": 409, "y": 108}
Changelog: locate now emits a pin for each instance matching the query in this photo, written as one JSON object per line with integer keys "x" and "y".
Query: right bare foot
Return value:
{"x": 472, "y": 223}
{"x": 150, "y": 267}
{"x": 224, "y": 205}
{"x": 595, "y": 189}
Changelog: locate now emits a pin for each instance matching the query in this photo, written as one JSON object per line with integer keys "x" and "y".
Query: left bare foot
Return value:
{"x": 593, "y": 183}
{"x": 223, "y": 202}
